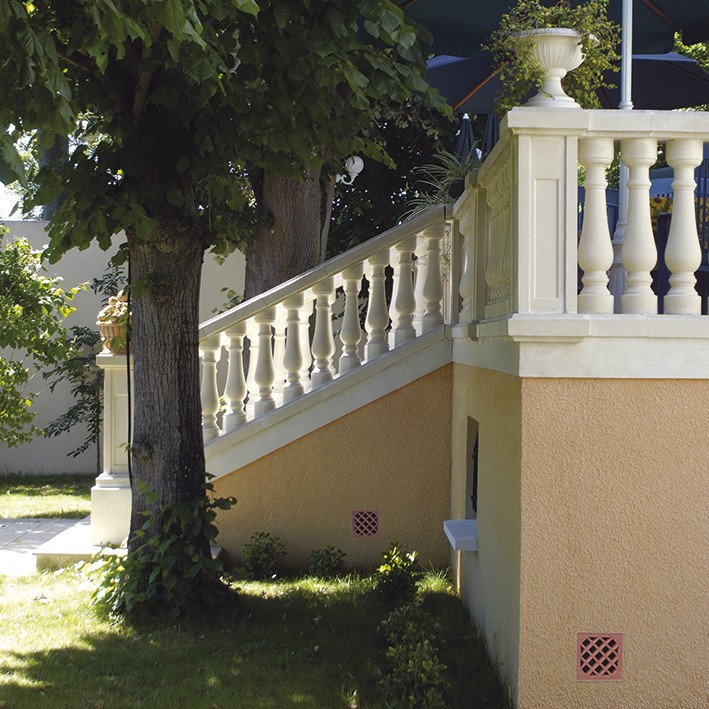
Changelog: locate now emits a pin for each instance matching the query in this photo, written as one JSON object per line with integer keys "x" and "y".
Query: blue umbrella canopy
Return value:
{"x": 660, "y": 81}
{"x": 663, "y": 81}
{"x": 460, "y": 27}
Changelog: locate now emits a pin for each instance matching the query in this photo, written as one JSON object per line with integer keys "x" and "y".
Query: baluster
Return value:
{"x": 433, "y": 287}
{"x": 252, "y": 387}
{"x": 639, "y": 254}
{"x": 351, "y": 332}
{"x": 293, "y": 355}
{"x": 683, "y": 254}
{"x": 279, "y": 347}
{"x": 403, "y": 303}
{"x": 210, "y": 348}
{"x": 420, "y": 269}
{"x": 305, "y": 345}
{"x": 235, "y": 388}
{"x": 377, "y": 314}
{"x": 264, "y": 374}
{"x": 323, "y": 341}
{"x": 595, "y": 252}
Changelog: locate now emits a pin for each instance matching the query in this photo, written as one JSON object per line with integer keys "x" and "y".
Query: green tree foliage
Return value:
{"x": 32, "y": 309}
{"x": 190, "y": 100}
{"x": 700, "y": 52}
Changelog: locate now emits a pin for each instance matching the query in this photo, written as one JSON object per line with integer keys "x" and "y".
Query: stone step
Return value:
{"x": 74, "y": 544}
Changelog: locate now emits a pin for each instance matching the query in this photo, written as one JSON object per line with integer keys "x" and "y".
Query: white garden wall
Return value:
{"x": 50, "y": 455}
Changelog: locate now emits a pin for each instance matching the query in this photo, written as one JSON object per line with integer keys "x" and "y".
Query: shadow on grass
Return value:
{"x": 285, "y": 647}
{"x": 277, "y": 652}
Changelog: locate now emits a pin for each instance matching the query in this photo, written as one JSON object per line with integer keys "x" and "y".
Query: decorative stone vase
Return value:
{"x": 113, "y": 337}
{"x": 113, "y": 322}
{"x": 558, "y": 51}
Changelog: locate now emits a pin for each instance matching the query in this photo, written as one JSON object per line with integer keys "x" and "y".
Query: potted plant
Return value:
{"x": 582, "y": 37}
{"x": 113, "y": 322}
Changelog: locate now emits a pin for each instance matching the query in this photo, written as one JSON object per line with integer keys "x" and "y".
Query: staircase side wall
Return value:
{"x": 392, "y": 456}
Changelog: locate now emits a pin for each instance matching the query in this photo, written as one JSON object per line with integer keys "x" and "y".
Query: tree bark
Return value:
{"x": 293, "y": 243}
{"x": 56, "y": 159}
{"x": 167, "y": 451}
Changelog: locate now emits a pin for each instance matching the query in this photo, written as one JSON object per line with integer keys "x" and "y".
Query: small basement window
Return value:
{"x": 463, "y": 533}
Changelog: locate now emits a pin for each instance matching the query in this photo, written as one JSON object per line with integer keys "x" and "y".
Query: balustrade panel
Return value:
{"x": 273, "y": 334}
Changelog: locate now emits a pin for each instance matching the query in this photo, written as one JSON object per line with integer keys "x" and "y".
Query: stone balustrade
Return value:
{"x": 519, "y": 214}
{"x": 305, "y": 333}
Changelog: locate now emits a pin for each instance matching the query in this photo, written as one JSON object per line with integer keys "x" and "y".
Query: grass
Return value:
{"x": 67, "y": 496}
{"x": 293, "y": 643}
{"x": 305, "y": 643}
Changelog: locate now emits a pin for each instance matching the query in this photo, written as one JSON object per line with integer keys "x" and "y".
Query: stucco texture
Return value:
{"x": 392, "y": 456}
{"x": 615, "y": 535}
{"x": 591, "y": 518}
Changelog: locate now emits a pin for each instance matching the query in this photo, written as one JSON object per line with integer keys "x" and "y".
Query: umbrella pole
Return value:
{"x": 618, "y": 273}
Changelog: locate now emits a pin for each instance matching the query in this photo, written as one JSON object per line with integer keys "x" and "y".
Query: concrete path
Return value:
{"x": 22, "y": 539}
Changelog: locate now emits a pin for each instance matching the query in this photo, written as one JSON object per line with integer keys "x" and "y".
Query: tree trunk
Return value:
{"x": 56, "y": 159}
{"x": 167, "y": 451}
{"x": 294, "y": 243}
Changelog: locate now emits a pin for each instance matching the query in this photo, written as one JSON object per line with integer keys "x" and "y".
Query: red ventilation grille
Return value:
{"x": 599, "y": 656}
{"x": 365, "y": 524}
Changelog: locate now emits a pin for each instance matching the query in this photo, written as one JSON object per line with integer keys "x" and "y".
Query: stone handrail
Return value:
{"x": 518, "y": 216}
{"x": 289, "y": 355}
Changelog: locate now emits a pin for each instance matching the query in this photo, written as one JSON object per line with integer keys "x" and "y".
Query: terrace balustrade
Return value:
{"x": 515, "y": 228}
{"x": 290, "y": 332}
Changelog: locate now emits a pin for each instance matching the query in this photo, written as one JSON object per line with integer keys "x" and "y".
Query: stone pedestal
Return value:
{"x": 111, "y": 495}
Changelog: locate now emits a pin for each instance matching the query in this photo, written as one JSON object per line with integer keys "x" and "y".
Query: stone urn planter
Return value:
{"x": 557, "y": 50}
{"x": 113, "y": 322}
{"x": 537, "y": 46}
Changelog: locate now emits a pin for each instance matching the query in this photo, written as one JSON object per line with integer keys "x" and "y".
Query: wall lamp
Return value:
{"x": 353, "y": 165}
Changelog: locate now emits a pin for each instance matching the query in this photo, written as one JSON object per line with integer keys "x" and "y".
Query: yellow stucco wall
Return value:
{"x": 611, "y": 535}
{"x": 615, "y": 539}
{"x": 393, "y": 456}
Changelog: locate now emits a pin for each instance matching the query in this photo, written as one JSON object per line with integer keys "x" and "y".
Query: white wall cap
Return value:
{"x": 585, "y": 346}
{"x": 462, "y": 534}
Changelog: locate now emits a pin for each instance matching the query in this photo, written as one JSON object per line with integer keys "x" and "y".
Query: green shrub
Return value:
{"x": 262, "y": 555}
{"x": 407, "y": 624}
{"x": 396, "y": 577}
{"x": 326, "y": 563}
{"x": 416, "y": 677}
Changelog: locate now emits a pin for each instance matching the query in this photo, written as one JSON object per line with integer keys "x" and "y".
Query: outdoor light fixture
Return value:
{"x": 353, "y": 165}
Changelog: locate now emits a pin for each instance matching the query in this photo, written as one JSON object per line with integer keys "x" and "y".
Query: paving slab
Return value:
{"x": 21, "y": 540}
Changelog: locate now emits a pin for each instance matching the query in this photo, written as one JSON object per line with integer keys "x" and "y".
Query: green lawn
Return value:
{"x": 291, "y": 643}
{"x": 299, "y": 643}
{"x": 67, "y": 496}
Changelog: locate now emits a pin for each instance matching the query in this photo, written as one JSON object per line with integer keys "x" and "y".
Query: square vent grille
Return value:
{"x": 365, "y": 524}
{"x": 599, "y": 656}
